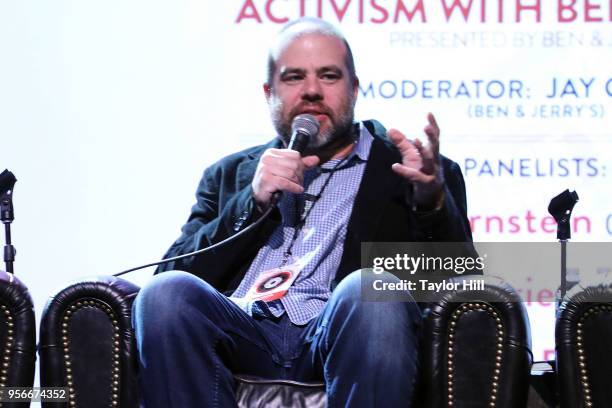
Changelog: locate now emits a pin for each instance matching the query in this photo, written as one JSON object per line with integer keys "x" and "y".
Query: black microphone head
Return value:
{"x": 562, "y": 204}
{"x": 7, "y": 181}
{"x": 303, "y": 128}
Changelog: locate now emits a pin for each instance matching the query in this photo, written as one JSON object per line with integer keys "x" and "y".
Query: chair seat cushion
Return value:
{"x": 256, "y": 392}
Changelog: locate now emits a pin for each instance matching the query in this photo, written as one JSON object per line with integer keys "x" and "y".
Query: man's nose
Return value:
{"x": 312, "y": 90}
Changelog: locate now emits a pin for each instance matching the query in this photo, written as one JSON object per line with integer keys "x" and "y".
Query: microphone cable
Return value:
{"x": 209, "y": 248}
{"x": 304, "y": 127}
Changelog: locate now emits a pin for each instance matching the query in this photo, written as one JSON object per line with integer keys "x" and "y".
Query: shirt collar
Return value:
{"x": 360, "y": 152}
{"x": 364, "y": 143}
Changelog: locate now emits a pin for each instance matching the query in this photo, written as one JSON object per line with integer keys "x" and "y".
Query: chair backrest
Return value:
{"x": 17, "y": 333}
{"x": 583, "y": 336}
{"x": 87, "y": 344}
{"x": 476, "y": 340}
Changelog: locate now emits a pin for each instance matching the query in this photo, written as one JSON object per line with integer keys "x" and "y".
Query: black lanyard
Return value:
{"x": 314, "y": 199}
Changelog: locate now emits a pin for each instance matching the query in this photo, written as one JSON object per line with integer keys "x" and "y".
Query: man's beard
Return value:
{"x": 329, "y": 138}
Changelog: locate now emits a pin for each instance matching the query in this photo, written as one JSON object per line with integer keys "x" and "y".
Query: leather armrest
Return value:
{"x": 583, "y": 336}
{"x": 17, "y": 334}
{"x": 476, "y": 347}
{"x": 87, "y": 343}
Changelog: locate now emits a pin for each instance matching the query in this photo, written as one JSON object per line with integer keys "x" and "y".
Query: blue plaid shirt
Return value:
{"x": 321, "y": 237}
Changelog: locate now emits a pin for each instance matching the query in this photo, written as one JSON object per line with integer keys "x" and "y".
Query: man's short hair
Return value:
{"x": 303, "y": 26}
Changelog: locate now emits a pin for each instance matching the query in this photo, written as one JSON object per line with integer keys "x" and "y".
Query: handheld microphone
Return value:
{"x": 303, "y": 128}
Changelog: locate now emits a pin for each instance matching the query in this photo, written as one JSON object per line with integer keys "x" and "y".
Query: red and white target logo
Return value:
{"x": 271, "y": 285}
{"x": 273, "y": 282}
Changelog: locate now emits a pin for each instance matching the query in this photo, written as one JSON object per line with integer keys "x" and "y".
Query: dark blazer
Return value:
{"x": 380, "y": 214}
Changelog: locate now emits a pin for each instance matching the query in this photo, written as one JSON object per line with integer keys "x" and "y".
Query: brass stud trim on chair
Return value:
{"x": 6, "y": 360}
{"x": 116, "y": 370}
{"x": 584, "y": 378}
{"x": 452, "y": 327}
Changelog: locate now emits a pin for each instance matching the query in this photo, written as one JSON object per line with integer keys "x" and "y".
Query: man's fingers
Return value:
{"x": 433, "y": 133}
{"x": 434, "y": 140}
{"x": 281, "y": 161}
{"x": 425, "y": 153}
{"x": 273, "y": 183}
{"x": 289, "y": 174}
{"x": 400, "y": 141}
{"x": 432, "y": 121}
{"x": 411, "y": 174}
{"x": 411, "y": 156}
{"x": 284, "y": 184}
{"x": 396, "y": 136}
{"x": 420, "y": 162}
{"x": 283, "y": 153}
{"x": 278, "y": 170}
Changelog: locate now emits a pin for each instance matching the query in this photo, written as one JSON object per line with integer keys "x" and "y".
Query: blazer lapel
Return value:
{"x": 245, "y": 172}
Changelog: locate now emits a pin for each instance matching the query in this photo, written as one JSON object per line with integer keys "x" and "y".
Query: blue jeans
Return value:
{"x": 191, "y": 339}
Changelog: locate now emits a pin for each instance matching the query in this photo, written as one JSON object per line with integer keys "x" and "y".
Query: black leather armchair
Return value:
{"x": 475, "y": 351}
{"x": 87, "y": 344}
{"x": 17, "y": 335}
{"x": 584, "y": 347}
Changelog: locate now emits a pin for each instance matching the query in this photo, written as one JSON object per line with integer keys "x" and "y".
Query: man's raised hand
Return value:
{"x": 421, "y": 164}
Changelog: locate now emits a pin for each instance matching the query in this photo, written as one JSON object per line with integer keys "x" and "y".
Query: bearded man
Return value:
{"x": 205, "y": 318}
